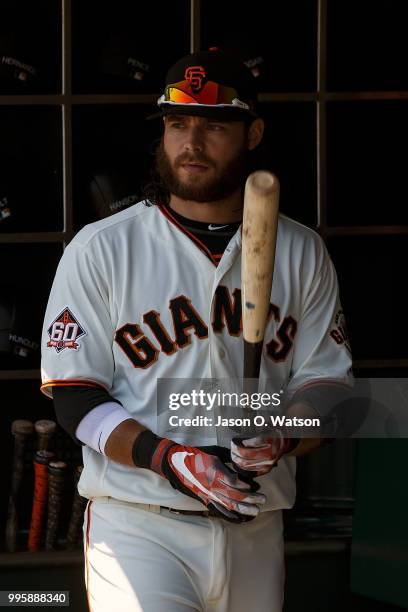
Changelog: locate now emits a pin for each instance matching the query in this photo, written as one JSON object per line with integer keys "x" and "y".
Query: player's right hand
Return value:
{"x": 200, "y": 473}
{"x": 205, "y": 477}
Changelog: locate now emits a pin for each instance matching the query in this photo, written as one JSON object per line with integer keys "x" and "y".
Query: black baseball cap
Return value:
{"x": 215, "y": 84}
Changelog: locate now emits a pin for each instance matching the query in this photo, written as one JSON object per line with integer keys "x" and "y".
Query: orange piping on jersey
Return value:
{"x": 70, "y": 382}
{"x": 165, "y": 211}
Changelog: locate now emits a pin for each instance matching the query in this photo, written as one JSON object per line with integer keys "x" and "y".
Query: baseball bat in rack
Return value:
{"x": 41, "y": 460}
{"x": 21, "y": 430}
{"x": 259, "y": 235}
{"x": 77, "y": 513}
{"x": 56, "y": 479}
{"x": 45, "y": 429}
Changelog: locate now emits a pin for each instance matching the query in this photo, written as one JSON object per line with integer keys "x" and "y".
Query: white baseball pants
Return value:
{"x": 156, "y": 561}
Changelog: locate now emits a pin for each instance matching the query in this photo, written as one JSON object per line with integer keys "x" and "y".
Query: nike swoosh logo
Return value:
{"x": 212, "y": 227}
{"x": 177, "y": 460}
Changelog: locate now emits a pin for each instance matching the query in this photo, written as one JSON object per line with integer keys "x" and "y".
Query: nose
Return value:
{"x": 194, "y": 139}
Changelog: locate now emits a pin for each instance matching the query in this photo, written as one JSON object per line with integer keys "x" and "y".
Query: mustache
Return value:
{"x": 187, "y": 159}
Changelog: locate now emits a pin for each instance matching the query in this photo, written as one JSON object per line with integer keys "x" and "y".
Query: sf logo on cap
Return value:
{"x": 195, "y": 76}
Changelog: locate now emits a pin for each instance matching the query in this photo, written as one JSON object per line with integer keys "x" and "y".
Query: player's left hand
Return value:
{"x": 260, "y": 454}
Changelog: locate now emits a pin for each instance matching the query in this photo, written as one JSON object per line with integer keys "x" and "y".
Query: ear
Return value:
{"x": 255, "y": 133}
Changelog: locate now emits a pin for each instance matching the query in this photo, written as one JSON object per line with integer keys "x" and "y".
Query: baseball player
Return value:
{"x": 182, "y": 523}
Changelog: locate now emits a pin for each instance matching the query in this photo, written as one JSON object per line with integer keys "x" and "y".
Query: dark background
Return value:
{"x": 75, "y": 146}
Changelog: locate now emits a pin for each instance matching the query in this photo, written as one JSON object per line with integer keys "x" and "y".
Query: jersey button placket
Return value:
{"x": 224, "y": 266}
{"x": 211, "y": 337}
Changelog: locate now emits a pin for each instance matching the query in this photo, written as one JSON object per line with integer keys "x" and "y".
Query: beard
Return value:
{"x": 223, "y": 183}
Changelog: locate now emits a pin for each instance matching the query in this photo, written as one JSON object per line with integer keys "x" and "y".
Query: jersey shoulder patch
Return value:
{"x": 65, "y": 331}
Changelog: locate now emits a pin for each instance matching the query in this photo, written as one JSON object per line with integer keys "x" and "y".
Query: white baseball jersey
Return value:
{"x": 135, "y": 299}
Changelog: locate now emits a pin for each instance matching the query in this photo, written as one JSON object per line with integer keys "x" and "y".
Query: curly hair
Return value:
{"x": 154, "y": 191}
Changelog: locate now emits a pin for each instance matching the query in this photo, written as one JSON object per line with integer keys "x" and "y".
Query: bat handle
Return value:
{"x": 17, "y": 476}
{"x": 44, "y": 441}
{"x": 77, "y": 513}
{"x": 41, "y": 461}
{"x": 18, "y": 465}
{"x": 252, "y": 358}
{"x": 11, "y": 526}
{"x": 56, "y": 472}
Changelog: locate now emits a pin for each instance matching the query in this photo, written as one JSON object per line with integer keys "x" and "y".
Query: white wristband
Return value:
{"x": 95, "y": 428}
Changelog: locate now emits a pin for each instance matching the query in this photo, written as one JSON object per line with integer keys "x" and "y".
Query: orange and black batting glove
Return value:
{"x": 201, "y": 475}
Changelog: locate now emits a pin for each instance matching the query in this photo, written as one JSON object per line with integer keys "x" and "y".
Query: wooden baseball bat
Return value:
{"x": 41, "y": 460}
{"x": 259, "y": 234}
{"x": 45, "y": 429}
{"x": 77, "y": 513}
{"x": 21, "y": 430}
{"x": 56, "y": 478}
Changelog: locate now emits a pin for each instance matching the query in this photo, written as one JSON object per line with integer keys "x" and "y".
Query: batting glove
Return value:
{"x": 200, "y": 475}
{"x": 258, "y": 455}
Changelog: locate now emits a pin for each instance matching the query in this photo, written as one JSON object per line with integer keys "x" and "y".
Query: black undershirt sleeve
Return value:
{"x": 72, "y": 403}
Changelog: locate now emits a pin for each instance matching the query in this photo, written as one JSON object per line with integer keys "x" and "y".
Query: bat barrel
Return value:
{"x": 259, "y": 236}
{"x": 22, "y": 427}
{"x": 263, "y": 181}
{"x": 45, "y": 429}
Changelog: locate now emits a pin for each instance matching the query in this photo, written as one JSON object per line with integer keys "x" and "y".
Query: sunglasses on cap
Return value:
{"x": 211, "y": 94}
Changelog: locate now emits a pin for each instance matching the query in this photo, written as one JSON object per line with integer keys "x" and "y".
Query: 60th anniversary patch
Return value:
{"x": 64, "y": 331}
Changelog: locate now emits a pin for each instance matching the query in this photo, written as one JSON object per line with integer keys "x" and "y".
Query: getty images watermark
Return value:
{"x": 210, "y": 401}
{"x": 216, "y": 410}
